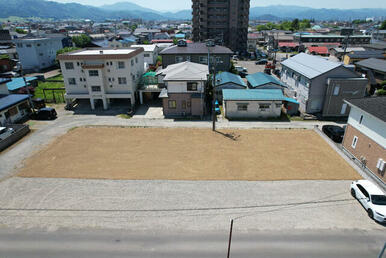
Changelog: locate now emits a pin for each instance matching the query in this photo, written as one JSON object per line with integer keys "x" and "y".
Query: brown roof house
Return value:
{"x": 184, "y": 92}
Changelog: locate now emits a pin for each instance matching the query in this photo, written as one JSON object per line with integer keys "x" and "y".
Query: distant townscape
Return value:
{"x": 286, "y": 103}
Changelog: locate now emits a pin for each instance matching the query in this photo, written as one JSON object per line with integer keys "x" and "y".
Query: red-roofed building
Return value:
{"x": 323, "y": 51}
{"x": 288, "y": 46}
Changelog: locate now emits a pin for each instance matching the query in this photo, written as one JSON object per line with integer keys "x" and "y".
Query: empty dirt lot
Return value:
{"x": 188, "y": 154}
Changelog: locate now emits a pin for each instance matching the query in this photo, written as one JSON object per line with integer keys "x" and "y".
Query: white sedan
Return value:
{"x": 371, "y": 198}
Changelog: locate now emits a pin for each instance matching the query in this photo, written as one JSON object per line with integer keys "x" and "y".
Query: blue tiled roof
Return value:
{"x": 4, "y": 80}
{"x": 226, "y": 77}
{"x": 259, "y": 79}
{"x": 18, "y": 83}
{"x": 7, "y": 101}
{"x": 255, "y": 94}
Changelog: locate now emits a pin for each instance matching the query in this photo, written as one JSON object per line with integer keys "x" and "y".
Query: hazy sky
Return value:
{"x": 163, "y": 5}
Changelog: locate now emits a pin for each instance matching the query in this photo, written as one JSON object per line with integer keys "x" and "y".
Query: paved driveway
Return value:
{"x": 149, "y": 112}
{"x": 180, "y": 206}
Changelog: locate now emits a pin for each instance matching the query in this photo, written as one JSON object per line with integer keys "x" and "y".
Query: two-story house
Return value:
{"x": 102, "y": 74}
{"x": 184, "y": 92}
{"x": 37, "y": 53}
{"x": 150, "y": 54}
{"x": 320, "y": 85}
{"x": 365, "y": 136}
{"x": 197, "y": 53}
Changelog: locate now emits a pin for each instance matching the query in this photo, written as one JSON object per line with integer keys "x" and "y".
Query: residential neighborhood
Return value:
{"x": 203, "y": 128}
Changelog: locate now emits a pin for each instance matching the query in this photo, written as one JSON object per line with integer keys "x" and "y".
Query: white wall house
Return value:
{"x": 252, "y": 104}
{"x": 151, "y": 53}
{"x": 102, "y": 74}
{"x": 308, "y": 79}
{"x": 13, "y": 107}
{"x": 36, "y": 54}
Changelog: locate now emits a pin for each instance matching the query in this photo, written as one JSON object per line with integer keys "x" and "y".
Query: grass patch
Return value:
{"x": 49, "y": 84}
{"x": 124, "y": 116}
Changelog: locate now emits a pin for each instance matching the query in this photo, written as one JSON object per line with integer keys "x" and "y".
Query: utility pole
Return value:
{"x": 230, "y": 239}
{"x": 210, "y": 43}
{"x": 26, "y": 86}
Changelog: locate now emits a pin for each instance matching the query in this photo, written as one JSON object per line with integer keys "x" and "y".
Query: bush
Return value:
{"x": 381, "y": 92}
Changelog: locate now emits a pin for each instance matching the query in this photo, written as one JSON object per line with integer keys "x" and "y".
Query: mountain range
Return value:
{"x": 128, "y": 10}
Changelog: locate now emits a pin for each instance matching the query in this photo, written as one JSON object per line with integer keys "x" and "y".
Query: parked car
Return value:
{"x": 45, "y": 114}
{"x": 217, "y": 108}
{"x": 241, "y": 69}
{"x": 267, "y": 71}
{"x": 270, "y": 65}
{"x": 371, "y": 198}
{"x": 243, "y": 74}
{"x": 334, "y": 132}
{"x": 235, "y": 58}
{"x": 277, "y": 72}
{"x": 5, "y": 132}
{"x": 261, "y": 62}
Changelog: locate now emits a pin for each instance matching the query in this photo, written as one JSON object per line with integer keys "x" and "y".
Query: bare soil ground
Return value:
{"x": 188, "y": 154}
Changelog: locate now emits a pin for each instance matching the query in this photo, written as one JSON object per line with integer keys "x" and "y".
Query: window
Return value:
{"x": 132, "y": 62}
{"x": 19, "y": 44}
{"x": 69, "y": 65}
{"x": 344, "y": 108}
{"x": 93, "y": 73}
{"x": 146, "y": 55}
{"x": 41, "y": 54}
{"x": 77, "y": 63}
{"x": 122, "y": 80}
{"x": 264, "y": 107}
{"x": 183, "y": 104}
{"x": 71, "y": 81}
{"x": 96, "y": 88}
{"x": 13, "y": 111}
{"x": 121, "y": 65}
{"x": 136, "y": 60}
{"x": 361, "y": 119}
{"x": 354, "y": 142}
{"x": 203, "y": 59}
{"x": 336, "y": 90}
{"x": 28, "y": 45}
{"x": 242, "y": 107}
{"x": 179, "y": 59}
{"x": 80, "y": 79}
{"x": 172, "y": 104}
{"x": 192, "y": 86}
{"x": 278, "y": 105}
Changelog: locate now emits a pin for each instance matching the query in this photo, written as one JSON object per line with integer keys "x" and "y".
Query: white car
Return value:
{"x": 241, "y": 69}
{"x": 371, "y": 198}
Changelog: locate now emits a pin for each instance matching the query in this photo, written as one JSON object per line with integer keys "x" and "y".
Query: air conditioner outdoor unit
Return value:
{"x": 381, "y": 164}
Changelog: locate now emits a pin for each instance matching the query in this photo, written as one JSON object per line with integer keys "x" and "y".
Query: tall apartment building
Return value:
{"x": 102, "y": 75}
{"x": 225, "y": 21}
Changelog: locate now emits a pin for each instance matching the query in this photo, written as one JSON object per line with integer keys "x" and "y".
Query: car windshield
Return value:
{"x": 378, "y": 199}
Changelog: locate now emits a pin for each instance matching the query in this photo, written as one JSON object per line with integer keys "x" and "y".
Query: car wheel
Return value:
{"x": 353, "y": 193}
{"x": 370, "y": 213}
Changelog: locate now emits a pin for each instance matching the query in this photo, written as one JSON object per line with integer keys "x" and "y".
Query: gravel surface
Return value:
{"x": 180, "y": 206}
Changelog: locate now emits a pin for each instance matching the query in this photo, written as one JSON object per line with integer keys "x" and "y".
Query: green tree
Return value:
{"x": 304, "y": 24}
{"x": 20, "y": 31}
{"x": 295, "y": 24}
{"x": 81, "y": 41}
{"x": 383, "y": 25}
{"x": 66, "y": 50}
{"x": 261, "y": 27}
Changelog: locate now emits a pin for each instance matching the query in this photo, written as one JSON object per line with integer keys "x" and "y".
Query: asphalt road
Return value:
{"x": 108, "y": 243}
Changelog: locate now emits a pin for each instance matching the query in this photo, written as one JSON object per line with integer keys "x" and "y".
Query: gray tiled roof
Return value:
{"x": 196, "y": 48}
{"x": 374, "y": 64}
{"x": 375, "y": 106}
